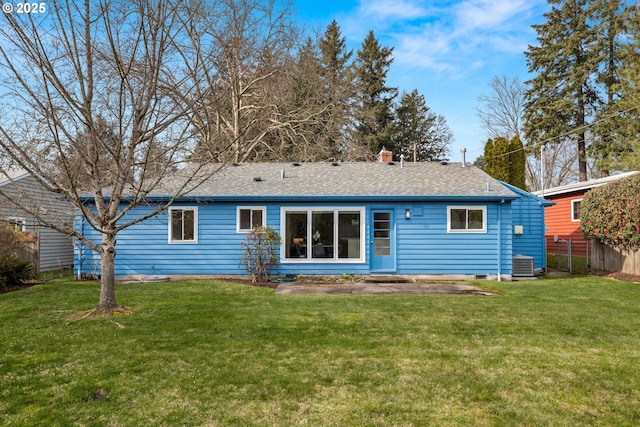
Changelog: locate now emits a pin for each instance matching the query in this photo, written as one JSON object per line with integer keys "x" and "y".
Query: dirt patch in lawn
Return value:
{"x": 622, "y": 276}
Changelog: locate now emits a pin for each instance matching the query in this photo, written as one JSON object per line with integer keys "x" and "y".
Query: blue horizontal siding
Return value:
{"x": 528, "y": 212}
{"x": 423, "y": 245}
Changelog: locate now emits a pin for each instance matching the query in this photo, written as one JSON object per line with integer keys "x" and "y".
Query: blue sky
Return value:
{"x": 448, "y": 50}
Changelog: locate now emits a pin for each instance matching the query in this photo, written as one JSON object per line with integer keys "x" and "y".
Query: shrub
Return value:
{"x": 14, "y": 270}
{"x": 260, "y": 256}
{"x": 611, "y": 213}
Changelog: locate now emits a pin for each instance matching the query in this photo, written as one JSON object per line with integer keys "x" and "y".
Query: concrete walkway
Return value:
{"x": 381, "y": 288}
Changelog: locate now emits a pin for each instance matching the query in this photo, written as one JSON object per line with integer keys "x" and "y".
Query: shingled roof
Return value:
{"x": 432, "y": 180}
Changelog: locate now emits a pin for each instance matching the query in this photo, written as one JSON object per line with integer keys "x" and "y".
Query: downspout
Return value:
{"x": 500, "y": 240}
{"x": 544, "y": 242}
{"x": 78, "y": 246}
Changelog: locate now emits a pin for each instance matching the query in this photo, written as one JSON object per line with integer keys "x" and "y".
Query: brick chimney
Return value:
{"x": 385, "y": 156}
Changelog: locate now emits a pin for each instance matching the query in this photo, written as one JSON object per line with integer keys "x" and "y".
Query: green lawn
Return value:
{"x": 552, "y": 352}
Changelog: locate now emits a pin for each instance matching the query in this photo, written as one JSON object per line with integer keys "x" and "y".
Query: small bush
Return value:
{"x": 260, "y": 256}
{"x": 611, "y": 213}
{"x": 14, "y": 270}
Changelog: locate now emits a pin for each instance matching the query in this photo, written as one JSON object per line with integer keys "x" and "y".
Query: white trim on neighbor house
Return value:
{"x": 467, "y": 229}
{"x": 582, "y": 185}
{"x": 252, "y": 224}
{"x": 188, "y": 234}
{"x": 575, "y": 213}
{"x": 20, "y": 223}
{"x": 351, "y": 244}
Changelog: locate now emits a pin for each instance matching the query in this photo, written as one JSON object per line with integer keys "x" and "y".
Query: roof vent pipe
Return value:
{"x": 401, "y": 160}
{"x": 282, "y": 174}
{"x": 463, "y": 151}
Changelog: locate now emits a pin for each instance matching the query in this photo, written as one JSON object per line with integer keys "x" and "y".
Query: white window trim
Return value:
{"x": 252, "y": 208}
{"x": 475, "y": 208}
{"x": 573, "y": 213}
{"x": 195, "y": 225}
{"x": 21, "y": 220}
{"x": 309, "y": 260}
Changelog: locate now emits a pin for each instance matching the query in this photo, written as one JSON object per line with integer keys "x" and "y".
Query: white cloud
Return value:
{"x": 453, "y": 39}
{"x": 385, "y": 9}
{"x": 489, "y": 14}
{"x": 456, "y": 37}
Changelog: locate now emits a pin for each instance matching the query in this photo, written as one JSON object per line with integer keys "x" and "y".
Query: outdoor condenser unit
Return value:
{"x": 522, "y": 266}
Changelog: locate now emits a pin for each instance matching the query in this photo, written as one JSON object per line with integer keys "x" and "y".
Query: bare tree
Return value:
{"x": 551, "y": 166}
{"x": 77, "y": 69}
{"x": 252, "y": 44}
{"x": 501, "y": 112}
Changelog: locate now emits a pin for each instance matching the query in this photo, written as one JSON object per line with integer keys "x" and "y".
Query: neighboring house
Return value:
{"x": 54, "y": 249}
{"x": 563, "y": 218}
{"x": 434, "y": 219}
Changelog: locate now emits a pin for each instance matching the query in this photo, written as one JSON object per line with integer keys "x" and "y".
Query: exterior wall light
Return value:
{"x": 407, "y": 213}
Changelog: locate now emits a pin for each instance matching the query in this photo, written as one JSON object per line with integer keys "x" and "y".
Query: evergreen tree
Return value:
{"x": 562, "y": 95}
{"x": 334, "y": 60}
{"x": 374, "y": 116}
{"x": 517, "y": 163}
{"x": 420, "y": 134}
{"x": 496, "y": 154}
{"x": 614, "y": 23}
{"x": 337, "y": 76}
{"x": 505, "y": 160}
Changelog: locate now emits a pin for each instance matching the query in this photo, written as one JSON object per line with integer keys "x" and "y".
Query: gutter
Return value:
{"x": 500, "y": 240}
{"x": 323, "y": 199}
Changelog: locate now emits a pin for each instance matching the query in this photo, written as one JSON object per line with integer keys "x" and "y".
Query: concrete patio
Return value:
{"x": 382, "y": 288}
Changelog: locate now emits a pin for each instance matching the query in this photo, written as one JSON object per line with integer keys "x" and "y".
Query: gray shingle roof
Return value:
{"x": 13, "y": 175}
{"x": 341, "y": 180}
{"x": 583, "y": 185}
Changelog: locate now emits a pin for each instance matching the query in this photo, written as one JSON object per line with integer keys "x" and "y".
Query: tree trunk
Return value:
{"x": 107, "y": 277}
{"x": 582, "y": 158}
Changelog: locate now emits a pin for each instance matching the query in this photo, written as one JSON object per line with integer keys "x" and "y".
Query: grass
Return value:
{"x": 553, "y": 352}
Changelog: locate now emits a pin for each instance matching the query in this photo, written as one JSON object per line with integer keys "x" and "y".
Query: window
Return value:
{"x": 575, "y": 210}
{"x": 183, "y": 225}
{"x": 466, "y": 219}
{"x": 20, "y": 224}
{"x": 322, "y": 234}
{"x": 249, "y": 218}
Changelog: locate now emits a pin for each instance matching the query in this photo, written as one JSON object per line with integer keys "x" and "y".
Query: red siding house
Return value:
{"x": 562, "y": 220}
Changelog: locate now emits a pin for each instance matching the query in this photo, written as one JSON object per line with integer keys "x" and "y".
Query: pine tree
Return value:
{"x": 337, "y": 76}
{"x": 628, "y": 105}
{"x": 615, "y": 25}
{"x": 374, "y": 117}
{"x": 419, "y": 133}
{"x": 562, "y": 94}
{"x": 334, "y": 59}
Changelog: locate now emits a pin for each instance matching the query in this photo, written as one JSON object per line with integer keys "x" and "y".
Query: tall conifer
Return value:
{"x": 374, "y": 98}
{"x": 562, "y": 95}
{"x": 616, "y": 25}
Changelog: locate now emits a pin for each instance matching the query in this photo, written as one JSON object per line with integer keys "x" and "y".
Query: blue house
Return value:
{"x": 428, "y": 219}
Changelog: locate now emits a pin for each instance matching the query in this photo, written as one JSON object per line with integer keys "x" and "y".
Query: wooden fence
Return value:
{"x": 28, "y": 250}
{"x": 606, "y": 258}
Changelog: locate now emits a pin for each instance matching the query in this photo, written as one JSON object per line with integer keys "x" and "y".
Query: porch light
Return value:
{"x": 407, "y": 213}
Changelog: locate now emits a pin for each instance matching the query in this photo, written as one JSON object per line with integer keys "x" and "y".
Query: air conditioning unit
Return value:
{"x": 522, "y": 266}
